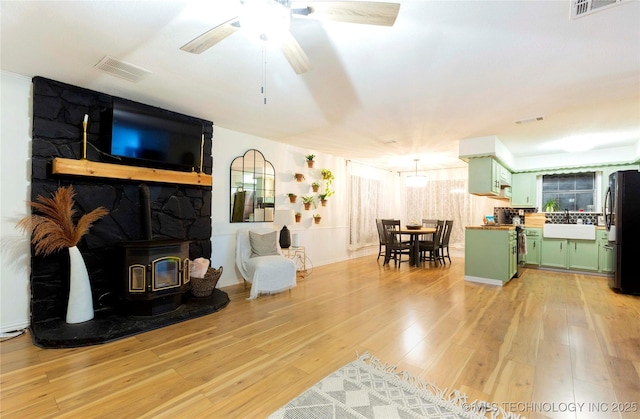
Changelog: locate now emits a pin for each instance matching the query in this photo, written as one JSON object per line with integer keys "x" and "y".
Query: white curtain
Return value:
{"x": 445, "y": 197}
{"x": 373, "y": 193}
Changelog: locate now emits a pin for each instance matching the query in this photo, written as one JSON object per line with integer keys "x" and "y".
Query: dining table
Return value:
{"x": 414, "y": 240}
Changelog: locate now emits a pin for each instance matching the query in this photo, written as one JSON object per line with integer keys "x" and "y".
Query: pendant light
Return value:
{"x": 416, "y": 180}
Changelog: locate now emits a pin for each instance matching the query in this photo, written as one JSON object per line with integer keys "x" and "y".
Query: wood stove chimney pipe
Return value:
{"x": 145, "y": 206}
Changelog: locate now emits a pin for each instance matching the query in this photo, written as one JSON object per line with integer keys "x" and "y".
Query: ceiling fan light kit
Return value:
{"x": 270, "y": 20}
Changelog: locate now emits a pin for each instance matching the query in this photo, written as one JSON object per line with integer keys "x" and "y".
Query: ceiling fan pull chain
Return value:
{"x": 264, "y": 73}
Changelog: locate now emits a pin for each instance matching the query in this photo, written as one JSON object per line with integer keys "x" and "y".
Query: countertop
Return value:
{"x": 492, "y": 227}
{"x": 510, "y": 227}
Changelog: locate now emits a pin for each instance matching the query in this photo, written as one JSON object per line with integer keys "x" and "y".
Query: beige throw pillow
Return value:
{"x": 263, "y": 244}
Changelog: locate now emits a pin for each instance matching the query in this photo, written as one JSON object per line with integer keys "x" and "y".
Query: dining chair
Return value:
{"x": 381, "y": 238}
{"x": 444, "y": 242}
{"x": 432, "y": 247}
{"x": 394, "y": 248}
{"x": 426, "y": 222}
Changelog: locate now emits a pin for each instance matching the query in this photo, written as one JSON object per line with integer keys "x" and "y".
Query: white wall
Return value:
{"x": 325, "y": 242}
{"x": 15, "y": 163}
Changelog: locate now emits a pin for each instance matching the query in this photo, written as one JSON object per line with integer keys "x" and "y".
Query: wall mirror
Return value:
{"x": 253, "y": 188}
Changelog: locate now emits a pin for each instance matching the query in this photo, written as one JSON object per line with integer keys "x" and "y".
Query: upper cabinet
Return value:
{"x": 523, "y": 190}
{"x": 488, "y": 177}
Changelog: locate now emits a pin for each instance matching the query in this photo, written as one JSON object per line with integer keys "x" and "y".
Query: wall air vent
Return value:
{"x": 581, "y": 8}
{"x": 122, "y": 69}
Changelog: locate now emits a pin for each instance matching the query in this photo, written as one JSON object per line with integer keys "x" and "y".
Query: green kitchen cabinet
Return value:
{"x": 490, "y": 255}
{"x": 583, "y": 254}
{"x": 534, "y": 240}
{"x": 504, "y": 175}
{"x": 553, "y": 253}
{"x": 513, "y": 256}
{"x": 605, "y": 252}
{"x": 569, "y": 254}
{"x": 484, "y": 176}
{"x": 523, "y": 190}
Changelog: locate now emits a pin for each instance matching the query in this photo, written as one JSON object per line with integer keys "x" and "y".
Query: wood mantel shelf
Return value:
{"x": 117, "y": 171}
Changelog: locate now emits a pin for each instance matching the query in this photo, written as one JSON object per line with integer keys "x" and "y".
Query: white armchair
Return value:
{"x": 268, "y": 271}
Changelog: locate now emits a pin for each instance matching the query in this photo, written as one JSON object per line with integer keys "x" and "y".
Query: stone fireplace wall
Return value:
{"x": 178, "y": 211}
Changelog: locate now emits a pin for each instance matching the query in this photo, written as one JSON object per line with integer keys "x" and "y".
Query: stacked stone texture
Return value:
{"x": 178, "y": 211}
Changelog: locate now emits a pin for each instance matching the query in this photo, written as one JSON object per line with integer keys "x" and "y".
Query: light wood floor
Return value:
{"x": 547, "y": 337}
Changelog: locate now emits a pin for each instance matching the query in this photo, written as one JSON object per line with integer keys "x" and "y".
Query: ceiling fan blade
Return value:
{"x": 365, "y": 12}
{"x": 211, "y": 37}
{"x": 295, "y": 54}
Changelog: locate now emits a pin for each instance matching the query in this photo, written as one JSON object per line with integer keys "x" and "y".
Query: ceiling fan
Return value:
{"x": 270, "y": 20}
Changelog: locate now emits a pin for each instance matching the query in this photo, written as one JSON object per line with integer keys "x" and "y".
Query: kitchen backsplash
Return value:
{"x": 561, "y": 217}
{"x": 506, "y": 214}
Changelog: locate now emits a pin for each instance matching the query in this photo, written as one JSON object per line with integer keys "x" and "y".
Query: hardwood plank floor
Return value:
{"x": 545, "y": 341}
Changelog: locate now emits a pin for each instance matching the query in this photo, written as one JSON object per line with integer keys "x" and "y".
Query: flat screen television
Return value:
{"x": 143, "y": 135}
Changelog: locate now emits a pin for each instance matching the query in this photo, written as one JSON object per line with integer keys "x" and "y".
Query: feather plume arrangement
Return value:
{"x": 52, "y": 223}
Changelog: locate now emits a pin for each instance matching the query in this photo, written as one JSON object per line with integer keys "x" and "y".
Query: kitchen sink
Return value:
{"x": 570, "y": 231}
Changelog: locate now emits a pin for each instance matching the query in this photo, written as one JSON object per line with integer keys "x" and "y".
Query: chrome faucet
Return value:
{"x": 566, "y": 216}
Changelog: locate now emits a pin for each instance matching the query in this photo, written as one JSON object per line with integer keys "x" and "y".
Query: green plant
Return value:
{"x": 327, "y": 175}
{"x": 298, "y": 214}
{"x": 292, "y": 195}
{"x": 551, "y": 205}
{"x": 315, "y": 184}
{"x": 308, "y": 199}
{"x": 310, "y": 157}
{"x": 323, "y": 196}
{"x": 317, "y": 216}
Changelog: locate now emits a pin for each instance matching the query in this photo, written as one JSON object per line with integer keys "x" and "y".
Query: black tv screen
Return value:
{"x": 144, "y": 135}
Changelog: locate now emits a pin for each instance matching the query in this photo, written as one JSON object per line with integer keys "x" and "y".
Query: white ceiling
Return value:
{"x": 446, "y": 70}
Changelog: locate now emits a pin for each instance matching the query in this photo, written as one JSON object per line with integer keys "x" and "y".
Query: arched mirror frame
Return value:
{"x": 253, "y": 188}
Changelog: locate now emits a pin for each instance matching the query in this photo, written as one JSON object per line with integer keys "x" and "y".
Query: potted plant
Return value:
{"x": 298, "y": 216}
{"x": 327, "y": 175}
{"x": 53, "y": 229}
{"x": 315, "y": 186}
{"x": 299, "y": 177}
{"x": 310, "y": 160}
{"x": 323, "y": 199}
{"x": 551, "y": 205}
{"x": 317, "y": 218}
{"x": 307, "y": 200}
{"x": 292, "y": 197}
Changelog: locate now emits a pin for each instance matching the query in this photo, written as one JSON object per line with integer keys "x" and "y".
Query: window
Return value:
{"x": 572, "y": 191}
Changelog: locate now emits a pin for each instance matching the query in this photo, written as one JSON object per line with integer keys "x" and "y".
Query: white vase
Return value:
{"x": 80, "y": 304}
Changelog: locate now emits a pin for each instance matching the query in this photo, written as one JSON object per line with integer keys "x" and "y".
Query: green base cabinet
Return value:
{"x": 569, "y": 254}
{"x": 605, "y": 252}
{"x": 583, "y": 254}
{"x": 490, "y": 255}
{"x": 554, "y": 253}
{"x": 534, "y": 240}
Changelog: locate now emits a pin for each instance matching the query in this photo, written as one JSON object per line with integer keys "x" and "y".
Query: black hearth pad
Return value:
{"x": 107, "y": 328}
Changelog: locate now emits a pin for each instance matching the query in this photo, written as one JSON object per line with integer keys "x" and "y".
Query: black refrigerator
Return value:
{"x": 622, "y": 213}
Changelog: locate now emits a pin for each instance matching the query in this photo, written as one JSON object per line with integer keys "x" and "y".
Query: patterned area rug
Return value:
{"x": 369, "y": 389}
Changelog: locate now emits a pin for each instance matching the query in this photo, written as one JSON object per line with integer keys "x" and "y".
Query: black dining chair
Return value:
{"x": 381, "y": 238}
{"x": 429, "y": 249}
{"x": 444, "y": 242}
{"x": 428, "y": 223}
{"x": 394, "y": 247}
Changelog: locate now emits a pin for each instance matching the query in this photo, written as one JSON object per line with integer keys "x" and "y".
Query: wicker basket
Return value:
{"x": 203, "y": 287}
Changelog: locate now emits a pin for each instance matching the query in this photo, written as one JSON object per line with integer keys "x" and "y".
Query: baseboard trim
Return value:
{"x": 13, "y": 327}
{"x": 481, "y": 280}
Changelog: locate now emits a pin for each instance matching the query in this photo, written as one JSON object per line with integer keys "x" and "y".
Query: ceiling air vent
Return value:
{"x": 122, "y": 69}
{"x": 581, "y": 8}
